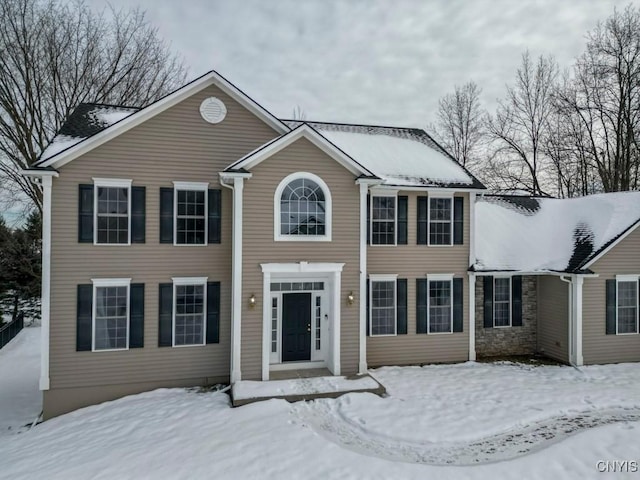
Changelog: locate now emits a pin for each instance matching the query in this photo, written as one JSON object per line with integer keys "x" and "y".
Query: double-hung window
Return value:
{"x": 111, "y": 314}
{"x": 189, "y": 318}
{"x": 626, "y": 305}
{"x": 112, "y": 211}
{"x": 383, "y": 219}
{"x": 190, "y": 213}
{"x": 382, "y": 303}
{"x": 440, "y": 220}
{"x": 502, "y": 301}
{"x": 440, "y": 304}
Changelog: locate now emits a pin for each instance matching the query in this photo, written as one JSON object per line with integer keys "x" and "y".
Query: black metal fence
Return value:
{"x": 11, "y": 329}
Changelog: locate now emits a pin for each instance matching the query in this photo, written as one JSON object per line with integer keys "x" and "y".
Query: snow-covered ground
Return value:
{"x": 432, "y": 415}
{"x": 20, "y": 398}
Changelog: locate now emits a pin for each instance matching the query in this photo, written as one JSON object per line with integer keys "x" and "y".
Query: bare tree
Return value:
{"x": 518, "y": 128}
{"x": 299, "y": 113}
{"x": 459, "y": 125}
{"x": 604, "y": 96}
{"x": 54, "y": 56}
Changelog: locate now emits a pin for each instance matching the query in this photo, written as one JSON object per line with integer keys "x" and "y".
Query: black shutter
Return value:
{"x": 213, "y": 312}
{"x": 138, "y": 212}
{"x": 516, "y": 301}
{"x": 403, "y": 205}
{"x": 215, "y": 215}
{"x": 368, "y": 219}
{"x": 166, "y": 215}
{"x": 457, "y": 304}
{"x": 422, "y": 295}
{"x": 422, "y": 220}
{"x": 136, "y": 315}
{"x": 488, "y": 302}
{"x": 611, "y": 307}
{"x": 165, "y": 308}
{"x": 401, "y": 307}
{"x": 83, "y": 319}
{"x": 85, "y": 214}
{"x": 368, "y": 300}
{"x": 458, "y": 220}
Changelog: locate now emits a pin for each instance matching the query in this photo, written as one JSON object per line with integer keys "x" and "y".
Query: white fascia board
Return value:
{"x": 265, "y": 151}
{"x": 135, "y": 119}
{"x": 444, "y": 190}
{"x": 630, "y": 230}
{"x": 495, "y": 273}
{"x": 302, "y": 267}
{"x": 39, "y": 173}
{"x": 232, "y": 175}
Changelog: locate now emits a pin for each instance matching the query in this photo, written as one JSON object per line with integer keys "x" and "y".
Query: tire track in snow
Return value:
{"x": 325, "y": 419}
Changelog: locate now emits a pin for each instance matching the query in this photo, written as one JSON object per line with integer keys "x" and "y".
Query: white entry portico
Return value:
{"x": 292, "y": 288}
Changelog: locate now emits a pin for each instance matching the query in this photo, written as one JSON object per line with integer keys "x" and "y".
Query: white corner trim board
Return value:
{"x": 47, "y": 183}
{"x": 362, "y": 361}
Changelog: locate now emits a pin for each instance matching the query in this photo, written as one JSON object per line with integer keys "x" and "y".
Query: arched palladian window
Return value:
{"x": 302, "y": 209}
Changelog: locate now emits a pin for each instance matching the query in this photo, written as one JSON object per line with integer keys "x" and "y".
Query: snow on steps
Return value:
{"x": 297, "y": 389}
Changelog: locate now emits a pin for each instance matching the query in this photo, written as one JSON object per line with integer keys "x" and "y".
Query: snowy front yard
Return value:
{"x": 515, "y": 420}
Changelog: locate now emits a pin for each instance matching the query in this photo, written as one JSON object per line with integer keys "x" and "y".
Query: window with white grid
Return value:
{"x": 440, "y": 221}
{"x": 112, "y": 205}
{"x": 501, "y": 302}
{"x": 383, "y": 220}
{"x": 191, "y": 217}
{"x": 189, "y": 317}
{"x": 383, "y": 307}
{"x": 627, "y": 306}
{"x": 111, "y": 317}
{"x": 440, "y": 296}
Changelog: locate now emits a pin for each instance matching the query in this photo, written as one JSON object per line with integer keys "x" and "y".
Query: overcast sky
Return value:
{"x": 368, "y": 61}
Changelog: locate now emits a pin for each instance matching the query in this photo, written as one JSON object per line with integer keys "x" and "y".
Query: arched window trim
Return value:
{"x": 328, "y": 213}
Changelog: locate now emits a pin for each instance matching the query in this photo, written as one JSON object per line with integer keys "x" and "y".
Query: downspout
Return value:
{"x": 472, "y": 277}
{"x": 567, "y": 280}
{"x": 362, "y": 364}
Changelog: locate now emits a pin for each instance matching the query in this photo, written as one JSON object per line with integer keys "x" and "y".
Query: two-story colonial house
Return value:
{"x": 202, "y": 240}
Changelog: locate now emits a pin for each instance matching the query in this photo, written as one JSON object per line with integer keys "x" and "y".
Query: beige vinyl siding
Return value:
{"x": 553, "y": 317}
{"x": 597, "y": 346}
{"x": 259, "y": 245}
{"x": 176, "y": 145}
{"x": 414, "y": 261}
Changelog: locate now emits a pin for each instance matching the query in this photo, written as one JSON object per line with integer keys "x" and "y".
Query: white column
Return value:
{"x": 362, "y": 364}
{"x": 266, "y": 324}
{"x": 236, "y": 286}
{"x": 577, "y": 284}
{"x": 47, "y": 183}
{"x": 337, "y": 296}
{"x": 472, "y": 317}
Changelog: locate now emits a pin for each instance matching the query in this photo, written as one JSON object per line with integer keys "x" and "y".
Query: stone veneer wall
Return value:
{"x": 491, "y": 342}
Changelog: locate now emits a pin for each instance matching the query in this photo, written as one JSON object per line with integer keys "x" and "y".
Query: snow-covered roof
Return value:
{"x": 404, "y": 157}
{"x": 84, "y": 122}
{"x": 545, "y": 234}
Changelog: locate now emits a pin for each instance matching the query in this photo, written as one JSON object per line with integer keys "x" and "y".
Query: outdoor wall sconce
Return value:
{"x": 350, "y": 298}
{"x": 252, "y": 301}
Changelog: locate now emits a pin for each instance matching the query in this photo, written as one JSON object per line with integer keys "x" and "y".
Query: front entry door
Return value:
{"x": 296, "y": 327}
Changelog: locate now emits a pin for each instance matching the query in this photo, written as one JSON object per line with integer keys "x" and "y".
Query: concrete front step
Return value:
{"x": 303, "y": 388}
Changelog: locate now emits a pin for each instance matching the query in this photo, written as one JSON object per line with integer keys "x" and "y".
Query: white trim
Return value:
{"x": 472, "y": 228}
{"x": 431, "y": 190}
{"x": 105, "y": 283}
{"x": 236, "y": 280}
{"x": 301, "y": 267}
{"x": 510, "y": 278}
{"x": 488, "y": 273}
{"x": 39, "y": 173}
{"x": 135, "y": 119}
{"x": 331, "y": 275}
{"x": 446, "y": 196}
{"x": 628, "y": 279}
{"x": 442, "y": 193}
{"x": 629, "y": 231}
{"x": 189, "y": 280}
{"x": 380, "y": 191}
{"x": 195, "y": 281}
{"x": 279, "y": 237}
{"x": 110, "y": 282}
{"x": 45, "y": 308}
{"x": 190, "y": 187}
{"x": 379, "y": 278}
{"x": 362, "y": 362}
{"x": 271, "y": 148}
{"x": 390, "y": 194}
{"x": 111, "y": 183}
{"x": 439, "y": 277}
{"x": 472, "y": 317}
{"x": 200, "y": 186}
{"x": 577, "y": 285}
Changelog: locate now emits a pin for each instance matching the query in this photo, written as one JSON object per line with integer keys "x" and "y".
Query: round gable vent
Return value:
{"x": 213, "y": 110}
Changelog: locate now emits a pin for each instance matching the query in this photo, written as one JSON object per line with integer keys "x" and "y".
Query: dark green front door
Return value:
{"x": 296, "y": 327}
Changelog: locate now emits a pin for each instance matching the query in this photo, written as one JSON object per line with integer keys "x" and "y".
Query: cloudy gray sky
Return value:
{"x": 368, "y": 61}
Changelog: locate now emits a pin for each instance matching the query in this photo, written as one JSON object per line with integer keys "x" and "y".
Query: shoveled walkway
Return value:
{"x": 302, "y": 385}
